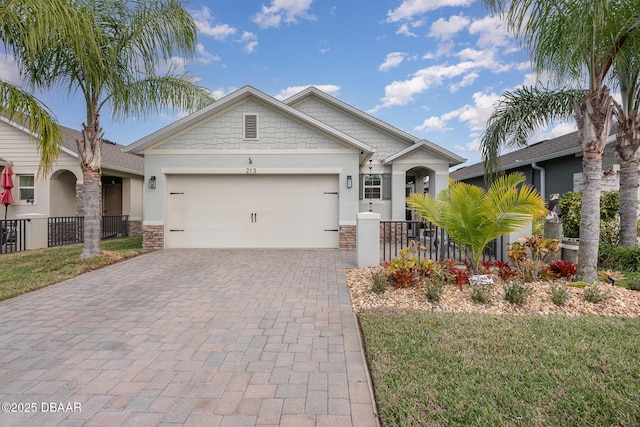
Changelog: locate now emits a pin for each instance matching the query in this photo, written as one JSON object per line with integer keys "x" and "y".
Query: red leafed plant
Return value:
{"x": 505, "y": 271}
{"x": 462, "y": 276}
{"x": 563, "y": 268}
{"x": 486, "y": 267}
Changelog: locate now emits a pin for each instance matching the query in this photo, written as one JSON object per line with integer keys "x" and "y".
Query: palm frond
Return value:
{"x": 518, "y": 115}
{"x": 155, "y": 94}
{"x": 473, "y": 217}
{"x": 24, "y": 109}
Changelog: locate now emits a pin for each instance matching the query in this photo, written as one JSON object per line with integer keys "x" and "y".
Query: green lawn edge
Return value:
{"x": 27, "y": 271}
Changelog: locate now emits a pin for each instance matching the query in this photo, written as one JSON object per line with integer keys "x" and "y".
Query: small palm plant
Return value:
{"x": 474, "y": 217}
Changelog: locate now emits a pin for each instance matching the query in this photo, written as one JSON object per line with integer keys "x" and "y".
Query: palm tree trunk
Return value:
{"x": 590, "y": 217}
{"x": 90, "y": 151}
{"x": 92, "y": 198}
{"x": 628, "y": 203}
{"x": 627, "y": 154}
{"x": 593, "y": 117}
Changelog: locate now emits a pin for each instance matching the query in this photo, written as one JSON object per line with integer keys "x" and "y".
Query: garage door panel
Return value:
{"x": 258, "y": 211}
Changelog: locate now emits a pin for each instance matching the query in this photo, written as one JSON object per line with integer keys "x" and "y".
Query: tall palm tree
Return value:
{"x": 628, "y": 145}
{"x": 473, "y": 217}
{"x": 27, "y": 29}
{"x": 575, "y": 41}
{"x": 132, "y": 39}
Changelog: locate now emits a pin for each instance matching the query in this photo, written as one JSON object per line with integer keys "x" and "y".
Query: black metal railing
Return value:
{"x": 436, "y": 244}
{"x": 66, "y": 230}
{"x": 70, "y": 229}
{"x": 13, "y": 235}
{"x": 114, "y": 226}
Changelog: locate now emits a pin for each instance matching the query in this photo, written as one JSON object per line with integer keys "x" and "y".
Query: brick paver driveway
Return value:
{"x": 199, "y": 337}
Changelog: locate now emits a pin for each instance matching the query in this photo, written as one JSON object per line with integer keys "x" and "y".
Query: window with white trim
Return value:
{"x": 372, "y": 185}
{"x": 26, "y": 187}
{"x": 250, "y": 126}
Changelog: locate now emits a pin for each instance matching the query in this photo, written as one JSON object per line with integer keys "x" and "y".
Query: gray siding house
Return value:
{"x": 251, "y": 171}
{"x": 553, "y": 166}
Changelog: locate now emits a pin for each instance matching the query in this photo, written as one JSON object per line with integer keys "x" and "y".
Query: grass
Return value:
{"x": 631, "y": 280}
{"x": 433, "y": 369}
{"x": 30, "y": 270}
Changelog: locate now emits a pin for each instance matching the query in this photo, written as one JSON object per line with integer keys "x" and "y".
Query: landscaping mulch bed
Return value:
{"x": 620, "y": 302}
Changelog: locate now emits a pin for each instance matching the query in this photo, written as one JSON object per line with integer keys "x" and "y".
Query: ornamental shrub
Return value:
{"x": 570, "y": 209}
{"x": 619, "y": 258}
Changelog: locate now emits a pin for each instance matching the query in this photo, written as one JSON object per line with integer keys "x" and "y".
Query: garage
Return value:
{"x": 252, "y": 211}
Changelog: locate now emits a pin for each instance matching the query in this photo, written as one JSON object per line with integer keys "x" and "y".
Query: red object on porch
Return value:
{"x": 6, "y": 198}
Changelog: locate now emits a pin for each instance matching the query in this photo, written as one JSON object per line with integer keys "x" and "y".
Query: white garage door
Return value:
{"x": 253, "y": 211}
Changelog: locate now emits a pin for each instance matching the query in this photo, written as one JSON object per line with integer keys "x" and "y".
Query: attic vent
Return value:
{"x": 250, "y": 126}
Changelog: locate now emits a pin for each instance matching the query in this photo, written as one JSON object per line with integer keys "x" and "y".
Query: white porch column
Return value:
{"x": 398, "y": 184}
{"x": 367, "y": 239}
{"x": 438, "y": 181}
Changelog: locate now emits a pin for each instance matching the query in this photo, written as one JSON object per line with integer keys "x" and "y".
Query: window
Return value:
{"x": 26, "y": 187}
{"x": 250, "y": 126}
{"x": 372, "y": 186}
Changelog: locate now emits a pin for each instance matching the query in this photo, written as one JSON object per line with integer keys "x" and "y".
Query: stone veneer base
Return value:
{"x": 347, "y": 237}
{"x": 152, "y": 236}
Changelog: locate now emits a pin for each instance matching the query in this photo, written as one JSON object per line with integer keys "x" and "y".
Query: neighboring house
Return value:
{"x": 252, "y": 171}
{"x": 59, "y": 192}
{"x": 553, "y": 166}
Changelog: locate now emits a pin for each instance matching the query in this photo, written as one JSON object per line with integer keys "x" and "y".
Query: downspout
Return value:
{"x": 543, "y": 189}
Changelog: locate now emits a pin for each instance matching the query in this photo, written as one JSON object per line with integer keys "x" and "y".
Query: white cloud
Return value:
{"x": 222, "y": 92}
{"x": 433, "y": 124}
{"x": 405, "y": 31}
{"x": 205, "y": 57}
{"x": 473, "y": 145}
{"x": 250, "y": 41}
{"x": 469, "y": 54}
{"x": 476, "y": 115}
{"x": 491, "y": 32}
{"x": 467, "y": 80}
{"x": 445, "y": 30}
{"x": 412, "y": 8}
{"x": 175, "y": 65}
{"x": 292, "y": 90}
{"x": 9, "y": 69}
{"x": 555, "y": 130}
{"x": 203, "y": 18}
{"x": 403, "y": 92}
{"x": 279, "y": 10}
{"x": 250, "y": 47}
{"x": 393, "y": 60}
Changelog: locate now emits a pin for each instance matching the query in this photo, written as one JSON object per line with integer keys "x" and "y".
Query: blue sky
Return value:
{"x": 433, "y": 68}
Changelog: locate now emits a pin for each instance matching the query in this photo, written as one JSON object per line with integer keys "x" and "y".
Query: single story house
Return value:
{"x": 552, "y": 166}
{"x": 252, "y": 171}
{"x": 59, "y": 193}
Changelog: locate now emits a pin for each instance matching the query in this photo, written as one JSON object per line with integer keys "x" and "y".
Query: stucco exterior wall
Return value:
{"x": 20, "y": 148}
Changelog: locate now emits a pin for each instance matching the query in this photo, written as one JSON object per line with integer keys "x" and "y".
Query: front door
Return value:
{"x": 111, "y": 196}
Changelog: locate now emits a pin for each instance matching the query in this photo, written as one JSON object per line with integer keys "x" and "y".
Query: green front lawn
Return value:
{"x": 30, "y": 270}
{"x": 432, "y": 369}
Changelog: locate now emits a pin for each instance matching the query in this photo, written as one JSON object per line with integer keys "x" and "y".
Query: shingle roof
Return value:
{"x": 112, "y": 155}
{"x": 540, "y": 151}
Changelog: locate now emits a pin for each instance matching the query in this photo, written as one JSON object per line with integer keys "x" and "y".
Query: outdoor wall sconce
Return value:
{"x": 152, "y": 181}
{"x": 349, "y": 181}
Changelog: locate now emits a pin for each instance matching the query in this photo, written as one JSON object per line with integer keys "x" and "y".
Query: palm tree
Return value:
{"x": 627, "y": 146}
{"x": 132, "y": 39}
{"x": 27, "y": 29}
{"x": 473, "y": 217}
{"x": 568, "y": 39}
